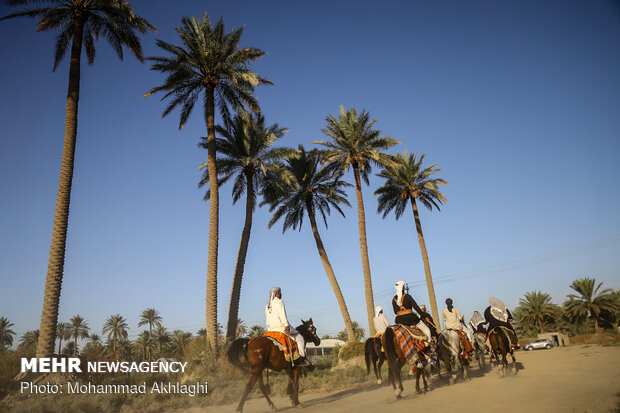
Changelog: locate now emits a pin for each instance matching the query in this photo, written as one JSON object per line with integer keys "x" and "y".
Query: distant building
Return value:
{"x": 558, "y": 339}
{"x": 324, "y": 350}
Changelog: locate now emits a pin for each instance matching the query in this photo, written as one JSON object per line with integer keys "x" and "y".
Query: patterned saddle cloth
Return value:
{"x": 410, "y": 339}
{"x": 284, "y": 343}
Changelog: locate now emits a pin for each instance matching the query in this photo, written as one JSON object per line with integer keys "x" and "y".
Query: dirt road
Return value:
{"x": 573, "y": 379}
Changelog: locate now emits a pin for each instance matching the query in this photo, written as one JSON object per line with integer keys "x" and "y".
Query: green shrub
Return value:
{"x": 351, "y": 349}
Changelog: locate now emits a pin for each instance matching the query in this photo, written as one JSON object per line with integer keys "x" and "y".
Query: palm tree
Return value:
{"x": 80, "y": 22}
{"x": 359, "y": 332}
{"x": 28, "y": 342}
{"x": 303, "y": 187}
{"x": 6, "y": 334}
{"x": 242, "y": 329}
{"x": 247, "y": 154}
{"x": 589, "y": 301}
{"x": 256, "y": 330}
{"x": 179, "y": 342}
{"x": 356, "y": 144}
{"x": 93, "y": 348}
{"x": 151, "y": 317}
{"x": 79, "y": 329}
{"x": 116, "y": 327}
{"x": 144, "y": 344}
{"x": 209, "y": 63}
{"x": 161, "y": 338}
{"x": 406, "y": 180}
{"x": 535, "y": 307}
{"x": 63, "y": 332}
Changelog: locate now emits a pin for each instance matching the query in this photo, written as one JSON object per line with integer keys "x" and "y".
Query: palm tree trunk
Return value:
{"x": 595, "y": 325}
{"x": 540, "y": 324}
{"x": 330, "y": 273}
{"x": 235, "y": 294}
{"x": 427, "y": 266}
{"x": 75, "y": 346}
{"x": 361, "y": 221}
{"x": 211, "y": 299}
{"x": 56, "y": 263}
{"x": 59, "y": 344}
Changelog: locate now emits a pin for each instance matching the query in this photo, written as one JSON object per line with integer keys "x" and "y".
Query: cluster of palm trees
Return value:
{"x": 589, "y": 305}
{"x": 150, "y": 344}
{"x": 209, "y": 67}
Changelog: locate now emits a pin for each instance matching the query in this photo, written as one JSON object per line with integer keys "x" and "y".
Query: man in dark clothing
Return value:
{"x": 428, "y": 320}
{"x": 497, "y": 314}
{"x": 403, "y": 305}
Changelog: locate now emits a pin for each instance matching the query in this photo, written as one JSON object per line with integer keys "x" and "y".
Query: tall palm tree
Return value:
{"x": 116, "y": 327}
{"x": 406, "y": 180}
{"x": 535, "y": 307}
{"x": 93, "y": 348}
{"x": 161, "y": 338}
{"x": 242, "y": 329}
{"x": 306, "y": 187}
{"x": 209, "y": 65}
{"x": 79, "y": 330}
{"x": 79, "y": 22}
{"x": 245, "y": 152}
{"x": 179, "y": 342}
{"x": 6, "y": 334}
{"x": 590, "y": 300}
{"x": 151, "y": 317}
{"x": 63, "y": 332}
{"x": 28, "y": 342}
{"x": 355, "y": 144}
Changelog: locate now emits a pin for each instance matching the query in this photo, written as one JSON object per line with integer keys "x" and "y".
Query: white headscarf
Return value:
{"x": 378, "y": 310}
{"x": 498, "y": 309}
{"x": 272, "y": 295}
{"x": 400, "y": 286}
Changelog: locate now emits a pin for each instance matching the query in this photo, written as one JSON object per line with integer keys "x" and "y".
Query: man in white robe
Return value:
{"x": 380, "y": 321}
{"x": 276, "y": 320}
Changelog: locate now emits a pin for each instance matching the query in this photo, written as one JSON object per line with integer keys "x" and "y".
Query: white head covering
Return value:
{"x": 498, "y": 309}
{"x": 378, "y": 310}
{"x": 272, "y": 295}
{"x": 400, "y": 286}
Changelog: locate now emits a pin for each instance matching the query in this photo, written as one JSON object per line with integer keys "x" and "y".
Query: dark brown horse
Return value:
{"x": 500, "y": 344}
{"x": 260, "y": 354}
{"x": 374, "y": 354}
{"x": 396, "y": 360}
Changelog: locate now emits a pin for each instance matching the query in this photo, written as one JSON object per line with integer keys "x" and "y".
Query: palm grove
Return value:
{"x": 207, "y": 66}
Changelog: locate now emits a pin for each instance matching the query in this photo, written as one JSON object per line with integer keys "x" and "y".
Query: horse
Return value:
{"x": 260, "y": 353}
{"x": 479, "y": 347}
{"x": 373, "y": 353}
{"x": 396, "y": 360}
{"x": 449, "y": 350}
{"x": 500, "y": 344}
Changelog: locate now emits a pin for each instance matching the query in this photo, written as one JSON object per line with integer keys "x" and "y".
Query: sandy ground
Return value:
{"x": 573, "y": 379}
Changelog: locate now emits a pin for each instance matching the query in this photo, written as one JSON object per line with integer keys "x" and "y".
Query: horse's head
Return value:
{"x": 308, "y": 331}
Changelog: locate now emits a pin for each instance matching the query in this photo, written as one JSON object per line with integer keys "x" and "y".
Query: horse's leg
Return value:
{"x": 253, "y": 379}
{"x": 374, "y": 360}
{"x": 265, "y": 391}
{"x": 379, "y": 365}
{"x": 514, "y": 361}
{"x": 296, "y": 373}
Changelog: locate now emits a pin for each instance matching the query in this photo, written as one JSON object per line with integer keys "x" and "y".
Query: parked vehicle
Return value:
{"x": 538, "y": 344}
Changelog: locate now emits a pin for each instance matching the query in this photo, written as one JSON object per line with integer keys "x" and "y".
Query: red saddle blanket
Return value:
{"x": 409, "y": 339}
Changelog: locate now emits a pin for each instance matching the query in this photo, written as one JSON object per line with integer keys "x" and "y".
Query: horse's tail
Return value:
{"x": 367, "y": 353}
{"x": 238, "y": 353}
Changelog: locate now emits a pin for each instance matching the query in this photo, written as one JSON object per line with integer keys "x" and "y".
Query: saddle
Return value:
{"x": 467, "y": 347}
{"x": 284, "y": 343}
{"x": 410, "y": 339}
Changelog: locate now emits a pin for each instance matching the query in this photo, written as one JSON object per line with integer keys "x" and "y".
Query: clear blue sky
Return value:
{"x": 517, "y": 102}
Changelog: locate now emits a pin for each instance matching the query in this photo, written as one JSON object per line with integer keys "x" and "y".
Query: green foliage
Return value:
{"x": 406, "y": 180}
{"x": 534, "y": 311}
{"x": 6, "y": 334}
{"x": 351, "y": 349}
{"x": 590, "y": 301}
{"x": 357, "y": 329}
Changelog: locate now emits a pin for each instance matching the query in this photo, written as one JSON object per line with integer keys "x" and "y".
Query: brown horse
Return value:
{"x": 396, "y": 360}
{"x": 260, "y": 354}
{"x": 500, "y": 344}
{"x": 373, "y": 353}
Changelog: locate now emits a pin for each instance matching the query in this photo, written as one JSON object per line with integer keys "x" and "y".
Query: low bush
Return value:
{"x": 351, "y": 349}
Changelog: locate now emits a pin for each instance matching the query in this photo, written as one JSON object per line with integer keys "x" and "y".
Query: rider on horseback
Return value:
{"x": 497, "y": 314}
{"x": 380, "y": 321}
{"x": 477, "y": 323}
{"x": 453, "y": 320}
{"x": 428, "y": 320}
{"x": 403, "y": 305}
{"x": 277, "y": 321}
